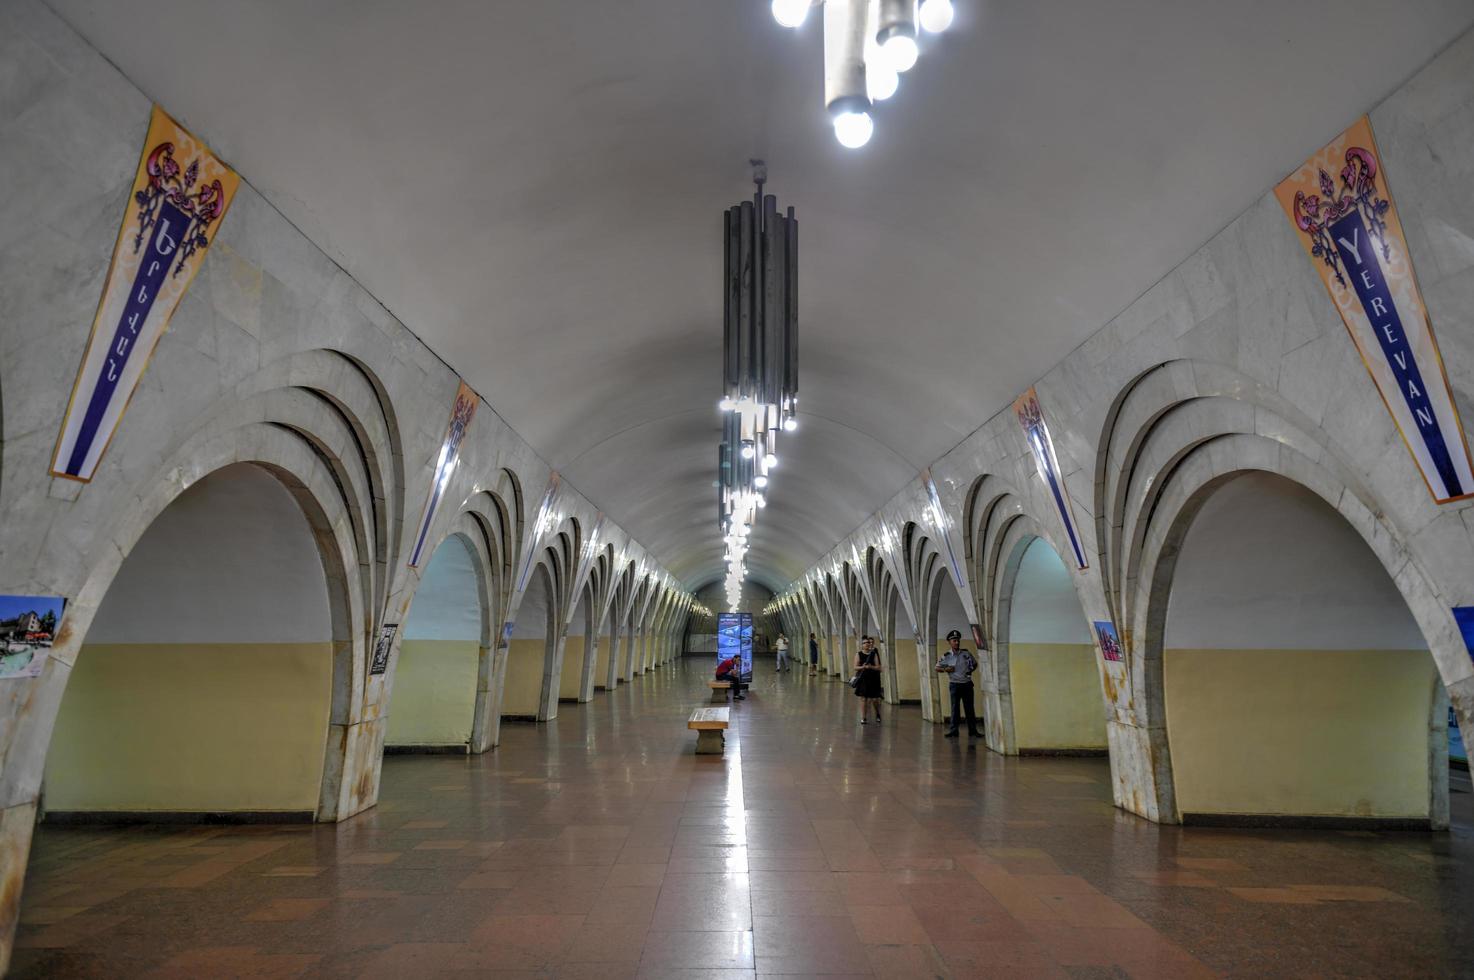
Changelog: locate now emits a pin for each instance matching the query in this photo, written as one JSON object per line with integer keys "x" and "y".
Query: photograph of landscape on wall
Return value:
{"x": 28, "y": 624}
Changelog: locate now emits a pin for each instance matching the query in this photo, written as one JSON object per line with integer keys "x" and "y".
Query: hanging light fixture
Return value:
{"x": 759, "y": 362}
{"x": 868, "y": 45}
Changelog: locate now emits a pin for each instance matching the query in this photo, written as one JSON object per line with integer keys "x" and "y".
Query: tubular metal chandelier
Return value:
{"x": 759, "y": 364}
{"x": 868, "y": 45}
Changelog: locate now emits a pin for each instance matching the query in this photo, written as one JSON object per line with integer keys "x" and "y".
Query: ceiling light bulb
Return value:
{"x": 760, "y": 481}
{"x": 770, "y": 461}
{"x": 762, "y": 501}
{"x": 789, "y": 424}
{"x": 853, "y": 129}
{"x": 790, "y": 13}
{"x": 726, "y": 404}
{"x": 881, "y": 81}
{"x": 900, "y": 52}
{"x": 936, "y": 15}
{"x": 748, "y": 452}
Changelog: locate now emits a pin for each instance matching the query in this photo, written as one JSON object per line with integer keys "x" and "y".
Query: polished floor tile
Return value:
{"x": 599, "y": 846}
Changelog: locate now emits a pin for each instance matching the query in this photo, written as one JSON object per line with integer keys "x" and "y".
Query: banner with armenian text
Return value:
{"x": 179, "y": 196}
{"x": 1346, "y": 221}
{"x": 1041, "y": 445}
{"x": 446, "y": 463}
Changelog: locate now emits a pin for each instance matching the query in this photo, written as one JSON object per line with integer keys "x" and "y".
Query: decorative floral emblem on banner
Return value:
{"x": 445, "y": 465}
{"x": 180, "y": 194}
{"x": 1348, "y": 224}
{"x": 1036, "y": 431}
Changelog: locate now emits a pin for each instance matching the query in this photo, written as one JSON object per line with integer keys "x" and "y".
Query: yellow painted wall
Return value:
{"x": 601, "y": 661}
{"x": 941, "y": 700}
{"x": 1304, "y": 732}
{"x": 434, "y": 694}
{"x": 523, "y": 692}
{"x": 192, "y": 727}
{"x": 908, "y": 680}
{"x": 1057, "y": 701}
{"x": 572, "y": 668}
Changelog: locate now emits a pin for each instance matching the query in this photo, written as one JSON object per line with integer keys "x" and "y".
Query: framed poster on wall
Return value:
{"x": 28, "y": 623}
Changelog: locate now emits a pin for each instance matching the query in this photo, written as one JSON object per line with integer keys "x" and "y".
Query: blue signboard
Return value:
{"x": 734, "y": 639}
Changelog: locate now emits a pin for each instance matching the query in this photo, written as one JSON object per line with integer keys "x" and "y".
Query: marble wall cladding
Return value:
{"x": 1236, "y": 360}
{"x": 276, "y": 356}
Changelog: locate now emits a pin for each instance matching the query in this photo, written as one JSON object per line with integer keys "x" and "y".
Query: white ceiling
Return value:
{"x": 536, "y": 189}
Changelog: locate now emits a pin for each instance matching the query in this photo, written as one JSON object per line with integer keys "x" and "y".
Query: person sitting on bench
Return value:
{"x": 730, "y": 670}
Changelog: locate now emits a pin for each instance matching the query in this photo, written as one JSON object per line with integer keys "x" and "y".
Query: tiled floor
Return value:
{"x": 600, "y": 846}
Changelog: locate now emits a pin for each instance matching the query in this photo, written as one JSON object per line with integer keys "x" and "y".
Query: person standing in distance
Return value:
{"x": 958, "y": 664}
{"x": 866, "y": 681}
{"x": 782, "y": 648}
{"x": 813, "y": 654}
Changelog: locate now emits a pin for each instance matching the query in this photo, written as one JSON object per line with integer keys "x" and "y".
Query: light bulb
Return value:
{"x": 726, "y": 404}
{"x": 853, "y": 129}
{"x": 770, "y": 461}
{"x": 790, "y": 13}
{"x": 881, "y": 81}
{"x": 789, "y": 424}
{"x": 900, "y": 52}
{"x": 762, "y": 501}
{"x": 759, "y": 481}
{"x": 748, "y": 452}
{"x": 936, "y": 15}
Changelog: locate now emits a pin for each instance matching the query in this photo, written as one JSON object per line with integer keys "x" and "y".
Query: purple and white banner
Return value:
{"x": 179, "y": 196}
{"x": 1349, "y": 227}
{"x": 445, "y": 464}
{"x": 1036, "y": 431}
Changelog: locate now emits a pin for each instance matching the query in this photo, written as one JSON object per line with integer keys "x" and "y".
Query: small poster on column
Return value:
{"x": 1110, "y": 644}
{"x": 1346, "y": 221}
{"x": 28, "y": 625}
{"x": 382, "y": 648}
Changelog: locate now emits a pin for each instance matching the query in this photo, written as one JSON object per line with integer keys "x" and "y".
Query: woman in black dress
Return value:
{"x": 867, "y": 678}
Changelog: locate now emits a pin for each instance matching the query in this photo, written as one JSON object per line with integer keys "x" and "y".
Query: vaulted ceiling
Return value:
{"x": 536, "y": 189}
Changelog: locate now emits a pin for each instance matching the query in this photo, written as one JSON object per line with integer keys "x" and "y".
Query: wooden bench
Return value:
{"x": 709, "y": 724}
{"x": 719, "y": 691}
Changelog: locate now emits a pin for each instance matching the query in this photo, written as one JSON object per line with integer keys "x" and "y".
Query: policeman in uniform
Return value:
{"x": 958, "y": 664}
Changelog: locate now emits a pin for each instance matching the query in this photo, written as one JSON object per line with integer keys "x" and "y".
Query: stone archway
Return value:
{"x": 1049, "y": 697}
{"x": 1294, "y": 681}
{"x": 433, "y": 700}
{"x": 531, "y": 648}
{"x": 208, "y": 617}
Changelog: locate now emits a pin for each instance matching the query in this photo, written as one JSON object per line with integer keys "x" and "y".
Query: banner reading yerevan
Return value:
{"x": 1036, "y": 431}
{"x": 179, "y": 196}
{"x": 1350, "y": 228}
{"x": 445, "y": 465}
